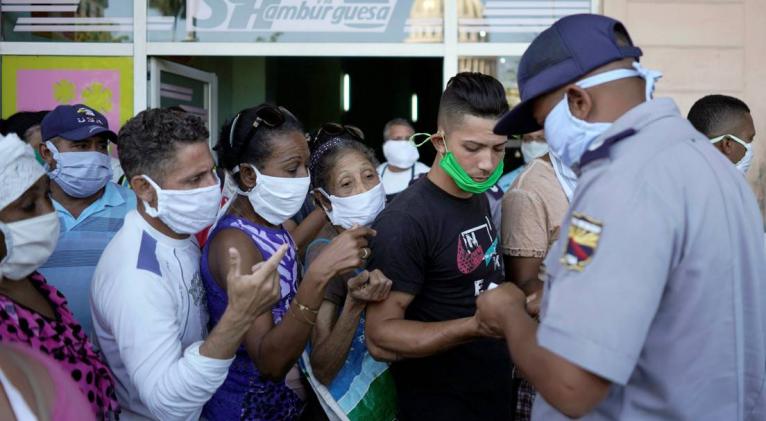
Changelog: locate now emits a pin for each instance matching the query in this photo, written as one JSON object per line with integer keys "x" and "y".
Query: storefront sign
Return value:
{"x": 340, "y": 16}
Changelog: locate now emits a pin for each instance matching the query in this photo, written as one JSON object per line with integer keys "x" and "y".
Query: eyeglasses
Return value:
{"x": 335, "y": 129}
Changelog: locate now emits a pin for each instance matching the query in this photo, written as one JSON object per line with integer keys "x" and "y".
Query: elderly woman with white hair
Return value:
{"x": 32, "y": 312}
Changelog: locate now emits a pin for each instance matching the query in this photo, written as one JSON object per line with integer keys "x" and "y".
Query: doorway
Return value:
{"x": 365, "y": 92}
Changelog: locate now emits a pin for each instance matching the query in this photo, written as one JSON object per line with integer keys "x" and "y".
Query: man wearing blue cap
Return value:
{"x": 90, "y": 207}
{"x": 654, "y": 304}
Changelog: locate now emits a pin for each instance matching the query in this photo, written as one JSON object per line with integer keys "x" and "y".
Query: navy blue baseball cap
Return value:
{"x": 75, "y": 122}
{"x": 570, "y": 49}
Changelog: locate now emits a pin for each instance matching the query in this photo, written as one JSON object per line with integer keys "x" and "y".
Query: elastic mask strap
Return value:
{"x": 607, "y": 77}
{"x": 236, "y": 170}
{"x": 730, "y": 136}
{"x": 324, "y": 193}
{"x": 52, "y": 147}
{"x": 231, "y": 130}
{"x": 327, "y": 196}
{"x": 416, "y": 135}
{"x": 650, "y": 76}
{"x": 151, "y": 211}
{"x": 56, "y": 157}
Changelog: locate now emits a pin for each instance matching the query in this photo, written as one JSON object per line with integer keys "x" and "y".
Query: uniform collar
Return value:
{"x": 628, "y": 125}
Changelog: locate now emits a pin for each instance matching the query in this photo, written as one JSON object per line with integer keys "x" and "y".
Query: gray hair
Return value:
{"x": 396, "y": 122}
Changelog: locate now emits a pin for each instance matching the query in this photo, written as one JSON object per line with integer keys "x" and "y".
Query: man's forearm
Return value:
{"x": 412, "y": 339}
{"x": 226, "y": 336}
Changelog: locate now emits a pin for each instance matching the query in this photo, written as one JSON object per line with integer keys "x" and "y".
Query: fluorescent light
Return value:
{"x": 414, "y": 108}
{"x": 346, "y": 92}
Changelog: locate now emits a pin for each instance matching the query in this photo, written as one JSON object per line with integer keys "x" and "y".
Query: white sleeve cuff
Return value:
{"x": 211, "y": 369}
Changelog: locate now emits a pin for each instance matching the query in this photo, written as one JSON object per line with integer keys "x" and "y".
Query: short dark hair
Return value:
{"x": 326, "y": 150}
{"x": 621, "y": 35}
{"x": 20, "y": 122}
{"x": 473, "y": 94}
{"x": 149, "y": 140}
{"x": 239, "y": 141}
{"x": 396, "y": 122}
{"x": 711, "y": 114}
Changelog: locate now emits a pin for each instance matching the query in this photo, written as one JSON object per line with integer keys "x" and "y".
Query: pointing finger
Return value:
{"x": 235, "y": 262}
{"x": 273, "y": 262}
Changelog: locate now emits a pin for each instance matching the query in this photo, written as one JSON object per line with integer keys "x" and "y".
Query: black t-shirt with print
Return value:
{"x": 444, "y": 251}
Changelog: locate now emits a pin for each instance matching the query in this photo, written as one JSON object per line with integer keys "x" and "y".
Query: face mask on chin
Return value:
{"x": 462, "y": 179}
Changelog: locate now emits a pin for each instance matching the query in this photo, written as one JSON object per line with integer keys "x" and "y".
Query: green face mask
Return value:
{"x": 39, "y": 158}
{"x": 464, "y": 181}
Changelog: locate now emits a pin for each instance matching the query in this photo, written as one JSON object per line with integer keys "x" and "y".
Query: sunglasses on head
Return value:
{"x": 269, "y": 116}
{"x": 335, "y": 129}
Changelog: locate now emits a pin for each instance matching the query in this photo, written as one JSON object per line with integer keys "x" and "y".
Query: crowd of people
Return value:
{"x": 288, "y": 274}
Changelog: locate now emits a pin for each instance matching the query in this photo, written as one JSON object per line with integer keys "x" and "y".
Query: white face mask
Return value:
{"x": 744, "y": 164}
{"x": 569, "y": 137}
{"x": 360, "y": 209}
{"x": 533, "y": 150}
{"x": 276, "y": 199}
{"x": 28, "y": 244}
{"x": 80, "y": 174}
{"x": 400, "y": 153}
{"x": 567, "y": 178}
{"x": 185, "y": 211}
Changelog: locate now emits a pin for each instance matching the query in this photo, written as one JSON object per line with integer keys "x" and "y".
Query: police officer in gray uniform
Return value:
{"x": 655, "y": 301}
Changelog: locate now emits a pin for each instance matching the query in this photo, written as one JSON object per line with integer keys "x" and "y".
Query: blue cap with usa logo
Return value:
{"x": 75, "y": 122}
{"x": 570, "y": 49}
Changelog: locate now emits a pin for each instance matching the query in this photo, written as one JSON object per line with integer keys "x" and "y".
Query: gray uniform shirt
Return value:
{"x": 657, "y": 282}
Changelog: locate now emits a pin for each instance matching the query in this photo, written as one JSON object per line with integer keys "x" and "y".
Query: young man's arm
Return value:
{"x": 388, "y": 334}
{"x": 524, "y": 272}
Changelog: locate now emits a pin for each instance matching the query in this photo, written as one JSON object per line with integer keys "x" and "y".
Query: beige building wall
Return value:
{"x": 704, "y": 47}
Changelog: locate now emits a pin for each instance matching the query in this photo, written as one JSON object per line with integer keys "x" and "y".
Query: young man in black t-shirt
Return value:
{"x": 437, "y": 243}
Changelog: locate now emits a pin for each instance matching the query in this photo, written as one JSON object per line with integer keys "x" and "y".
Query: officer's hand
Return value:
{"x": 494, "y": 307}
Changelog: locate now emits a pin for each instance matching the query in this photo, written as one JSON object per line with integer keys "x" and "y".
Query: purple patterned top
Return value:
{"x": 245, "y": 394}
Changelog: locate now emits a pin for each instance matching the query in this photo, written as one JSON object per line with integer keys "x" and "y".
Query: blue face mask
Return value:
{"x": 569, "y": 137}
{"x": 80, "y": 174}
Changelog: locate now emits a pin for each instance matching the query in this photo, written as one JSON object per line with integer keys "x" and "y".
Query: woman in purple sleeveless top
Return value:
{"x": 265, "y": 149}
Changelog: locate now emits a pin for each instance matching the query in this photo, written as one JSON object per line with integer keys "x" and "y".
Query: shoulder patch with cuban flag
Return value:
{"x": 583, "y": 236}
